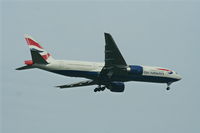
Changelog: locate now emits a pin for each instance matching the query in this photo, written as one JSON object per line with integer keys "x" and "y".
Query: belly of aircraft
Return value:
{"x": 122, "y": 78}
{"x": 142, "y": 78}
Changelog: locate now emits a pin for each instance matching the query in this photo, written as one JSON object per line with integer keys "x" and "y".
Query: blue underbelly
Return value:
{"x": 121, "y": 78}
{"x": 142, "y": 78}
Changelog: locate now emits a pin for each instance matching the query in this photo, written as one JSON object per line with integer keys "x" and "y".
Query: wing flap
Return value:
{"x": 78, "y": 84}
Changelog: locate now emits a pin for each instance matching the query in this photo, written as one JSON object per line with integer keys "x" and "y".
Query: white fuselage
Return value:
{"x": 92, "y": 69}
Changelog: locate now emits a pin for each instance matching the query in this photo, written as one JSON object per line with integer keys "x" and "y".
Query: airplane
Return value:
{"x": 109, "y": 75}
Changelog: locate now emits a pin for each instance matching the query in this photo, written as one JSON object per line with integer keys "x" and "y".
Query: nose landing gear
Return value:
{"x": 168, "y": 86}
{"x": 99, "y": 88}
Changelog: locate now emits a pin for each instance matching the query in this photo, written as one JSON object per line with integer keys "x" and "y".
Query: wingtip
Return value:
{"x": 107, "y": 34}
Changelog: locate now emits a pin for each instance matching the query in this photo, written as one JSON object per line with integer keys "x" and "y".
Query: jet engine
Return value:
{"x": 116, "y": 86}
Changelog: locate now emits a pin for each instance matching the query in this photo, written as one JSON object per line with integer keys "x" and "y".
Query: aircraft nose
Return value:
{"x": 178, "y": 77}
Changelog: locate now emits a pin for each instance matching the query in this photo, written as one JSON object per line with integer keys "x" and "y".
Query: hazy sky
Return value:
{"x": 150, "y": 33}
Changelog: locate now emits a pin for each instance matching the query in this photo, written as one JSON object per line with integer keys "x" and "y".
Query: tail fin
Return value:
{"x": 39, "y": 55}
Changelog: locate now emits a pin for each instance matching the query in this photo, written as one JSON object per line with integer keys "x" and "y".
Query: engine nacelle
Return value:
{"x": 116, "y": 86}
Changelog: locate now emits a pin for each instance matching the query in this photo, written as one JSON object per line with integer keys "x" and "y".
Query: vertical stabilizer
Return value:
{"x": 39, "y": 55}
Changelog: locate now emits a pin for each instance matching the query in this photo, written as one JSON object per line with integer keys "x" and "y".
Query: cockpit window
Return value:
{"x": 170, "y": 72}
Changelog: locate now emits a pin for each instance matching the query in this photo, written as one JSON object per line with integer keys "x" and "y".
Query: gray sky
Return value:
{"x": 150, "y": 33}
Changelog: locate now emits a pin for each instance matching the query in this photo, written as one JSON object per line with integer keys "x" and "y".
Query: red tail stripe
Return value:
{"x": 31, "y": 42}
{"x": 46, "y": 56}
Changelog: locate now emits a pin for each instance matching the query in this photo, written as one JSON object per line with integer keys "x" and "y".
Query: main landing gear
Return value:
{"x": 168, "y": 86}
{"x": 99, "y": 88}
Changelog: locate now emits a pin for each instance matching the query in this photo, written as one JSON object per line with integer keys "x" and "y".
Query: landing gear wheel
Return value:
{"x": 168, "y": 88}
{"x": 99, "y": 88}
{"x": 168, "y": 85}
{"x": 96, "y": 89}
{"x": 103, "y": 88}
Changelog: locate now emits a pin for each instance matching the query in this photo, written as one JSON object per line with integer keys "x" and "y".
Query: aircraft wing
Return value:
{"x": 113, "y": 56}
{"x": 78, "y": 84}
{"x": 114, "y": 61}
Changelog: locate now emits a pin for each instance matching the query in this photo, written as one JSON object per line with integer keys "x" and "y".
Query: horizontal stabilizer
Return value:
{"x": 24, "y": 68}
